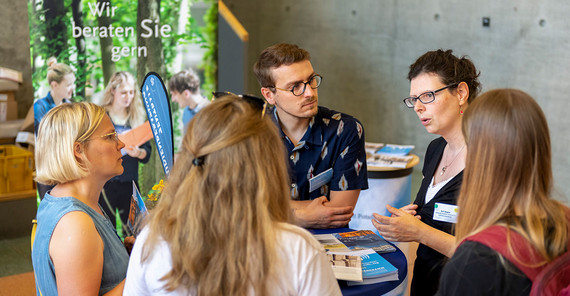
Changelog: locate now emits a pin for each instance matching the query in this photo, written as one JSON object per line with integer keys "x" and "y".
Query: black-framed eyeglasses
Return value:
{"x": 258, "y": 103}
{"x": 299, "y": 88}
{"x": 427, "y": 97}
{"x": 110, "y": 136}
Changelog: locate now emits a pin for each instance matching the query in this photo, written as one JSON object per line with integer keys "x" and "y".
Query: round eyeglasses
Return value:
{"x": 299, "y": 87}
{"x": 427, "y": 97}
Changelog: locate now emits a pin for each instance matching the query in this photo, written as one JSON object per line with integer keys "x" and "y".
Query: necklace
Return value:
{"x": 444, "y": 168}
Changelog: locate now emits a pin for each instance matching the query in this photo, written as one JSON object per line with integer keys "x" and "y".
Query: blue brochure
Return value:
{"x": 137, "y": 212}
{"x": 374, "y": 265}
{"x": 397, "y": 150}
{"x": 158, "y": 112}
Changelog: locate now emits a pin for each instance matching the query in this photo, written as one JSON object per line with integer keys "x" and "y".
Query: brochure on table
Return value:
{"x": 343, "y": 250}
{"x": 396, "y": 150}
{"x": 389, "y": 155}
{"x": 364, "y": 239}
{"x": 375, "y": 269}
{"x": 346, "y": 267}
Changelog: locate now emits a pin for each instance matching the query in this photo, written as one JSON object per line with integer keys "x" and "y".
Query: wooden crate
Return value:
{"x": 16, "y": 169}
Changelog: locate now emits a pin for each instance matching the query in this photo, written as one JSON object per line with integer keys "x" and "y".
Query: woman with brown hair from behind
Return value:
{"x": 221, "y": 226}
{"x": 508, "y": 182}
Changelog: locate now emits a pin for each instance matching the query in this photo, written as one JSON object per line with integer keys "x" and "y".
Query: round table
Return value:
{"x": 397, "y": 258}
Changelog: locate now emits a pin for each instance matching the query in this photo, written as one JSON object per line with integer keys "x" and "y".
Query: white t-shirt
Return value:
{"x": 304, "y": 270}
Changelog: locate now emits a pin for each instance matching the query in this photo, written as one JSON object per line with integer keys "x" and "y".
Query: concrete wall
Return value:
{"x": 363, "y": 50}
{"x": 15, "y": 48}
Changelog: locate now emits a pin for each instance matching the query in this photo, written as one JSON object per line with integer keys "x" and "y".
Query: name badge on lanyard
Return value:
{"x": 445, "y": 212}
{"x": 319, "y": 180}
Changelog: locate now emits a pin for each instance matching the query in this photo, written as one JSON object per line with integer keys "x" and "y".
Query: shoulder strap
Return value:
{"x": 526, "y": 258}
{"x": 548, "y": 279}
{"x": 33, "y": 237}
{"x": 555, "y": 279}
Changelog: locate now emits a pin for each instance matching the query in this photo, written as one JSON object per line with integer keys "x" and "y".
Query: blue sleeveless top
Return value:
{"x": 50, "y": 211}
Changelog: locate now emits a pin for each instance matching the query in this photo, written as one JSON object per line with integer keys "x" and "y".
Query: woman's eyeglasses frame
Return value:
{"x": 114, "y": 133}
{"x": 411, "y": 101}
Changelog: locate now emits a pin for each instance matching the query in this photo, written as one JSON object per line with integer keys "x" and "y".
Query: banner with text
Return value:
{"x": 157, "y": 108}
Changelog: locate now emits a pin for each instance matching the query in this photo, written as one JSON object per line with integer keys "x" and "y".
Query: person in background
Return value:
{"x": 184, "y": 88}
{"x": 441, "y": 88}
{"x": 507, "y": 182}
{"x": 124, "y": 105}
{"x": 221, "y": 224}
{"x": 325, "y": 147}
{"x": 76, "y": 251}
{"x": 61, "y": 80}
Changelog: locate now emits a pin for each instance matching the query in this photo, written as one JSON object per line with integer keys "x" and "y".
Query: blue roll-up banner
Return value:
{"x": 157, "y": 107}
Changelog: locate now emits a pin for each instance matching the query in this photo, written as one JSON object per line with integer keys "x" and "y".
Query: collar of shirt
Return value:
{"x": 49, "y": 99}
{"x": 313, "y": 135}
{"x": 200, "y": 105}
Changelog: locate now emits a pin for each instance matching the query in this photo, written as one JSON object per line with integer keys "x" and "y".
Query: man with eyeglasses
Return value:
{"x": 325, "y": 147}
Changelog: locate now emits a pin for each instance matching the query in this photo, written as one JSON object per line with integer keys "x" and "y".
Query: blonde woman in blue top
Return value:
{"x": 76, "y": 249}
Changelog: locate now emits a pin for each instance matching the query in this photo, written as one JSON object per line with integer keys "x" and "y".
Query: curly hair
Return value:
{"x": 449, "y": 68}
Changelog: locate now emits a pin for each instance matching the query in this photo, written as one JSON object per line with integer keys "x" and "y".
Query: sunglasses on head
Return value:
{"x": 258, "y": 103}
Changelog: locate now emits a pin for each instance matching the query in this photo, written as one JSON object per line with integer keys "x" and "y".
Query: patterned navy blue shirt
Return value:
{"x": 332, "y": 140}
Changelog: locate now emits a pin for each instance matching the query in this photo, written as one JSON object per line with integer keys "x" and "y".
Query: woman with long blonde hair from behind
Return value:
{"x": 221, "y": 225}
{"x": 507, "y": 182}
